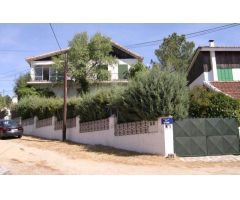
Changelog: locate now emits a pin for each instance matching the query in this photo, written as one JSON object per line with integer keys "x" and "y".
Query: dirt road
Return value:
{"x": 37, "y": 156}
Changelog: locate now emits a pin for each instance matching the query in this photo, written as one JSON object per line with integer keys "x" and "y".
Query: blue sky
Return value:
{"x": 32, "y": 39}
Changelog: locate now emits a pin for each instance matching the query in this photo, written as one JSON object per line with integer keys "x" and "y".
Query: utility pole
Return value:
{"x": 65, "y": 99}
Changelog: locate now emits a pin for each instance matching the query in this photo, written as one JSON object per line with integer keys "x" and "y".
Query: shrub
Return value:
{"x": 205, "y": 103}
{"x": 153, "y": 94}
{"x": 97, "y": 104}
{"x": 91, "y": 106}
{"x": 40, "y": 107}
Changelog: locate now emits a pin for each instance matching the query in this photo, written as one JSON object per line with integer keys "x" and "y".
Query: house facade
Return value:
{"x": 217, "y": 68}
{"x": 43, "y": 75}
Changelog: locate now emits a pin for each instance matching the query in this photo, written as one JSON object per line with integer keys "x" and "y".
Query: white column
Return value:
{"x": 112, "y": 122}
{"x": 77, "y": 124}
{"x": 35, "y": 122}
{"x": 32, "y": 73}
{"x": 214, "y": 65}
{"x": 167, "y": 130}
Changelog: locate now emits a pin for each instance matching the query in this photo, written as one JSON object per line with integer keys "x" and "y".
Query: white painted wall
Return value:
{"x": 158, "y": 142}
{"x": 236, "y": 74}
{"x": 214, "y": 65}
{"x": 114, "y": 67}
{"x": 205, "y": 76}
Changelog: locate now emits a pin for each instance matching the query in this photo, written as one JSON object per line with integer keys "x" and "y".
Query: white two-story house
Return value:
{"x": 43, "y": 75}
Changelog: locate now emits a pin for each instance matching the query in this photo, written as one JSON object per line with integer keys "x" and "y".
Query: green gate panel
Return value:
{"x": 206, "y": 136}
{"x": 189, "y": 127}
{"x": 219, "y": 126}
{"x": 223, "y": 145}
{"x": 122, "y": 69}
{"x": 190, "y": 146}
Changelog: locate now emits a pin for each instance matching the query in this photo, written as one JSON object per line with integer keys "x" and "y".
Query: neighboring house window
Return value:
{"x": 38, "y": 73}
{"x": 225, "y": 74}
{"x": 122, "y": 70}
{"x": 47, "y": 73}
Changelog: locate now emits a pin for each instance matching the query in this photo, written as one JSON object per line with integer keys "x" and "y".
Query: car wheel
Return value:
{"x": 19, "y": 136}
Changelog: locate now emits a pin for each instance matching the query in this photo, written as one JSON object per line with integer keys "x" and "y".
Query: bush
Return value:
{"x": 97, "y": 104}
{"x": 205, "y": 103}
{"x": 153, "y": 94}
{"x": 91, "y": 106}
{"x": 40, "y": 107}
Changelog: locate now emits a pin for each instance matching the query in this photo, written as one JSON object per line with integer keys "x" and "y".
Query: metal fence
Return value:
{"x": 206, "y": 136}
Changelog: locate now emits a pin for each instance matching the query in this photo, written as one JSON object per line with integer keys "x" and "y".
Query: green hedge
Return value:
{"x": 91, "y": 106}
{"x": 205, "y": 103}
{"x": 153, "y": 94}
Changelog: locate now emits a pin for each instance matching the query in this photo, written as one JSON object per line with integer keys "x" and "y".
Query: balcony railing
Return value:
{"x": 50, "y": 78}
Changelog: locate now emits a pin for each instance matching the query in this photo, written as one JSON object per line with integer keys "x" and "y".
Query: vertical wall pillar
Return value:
{"x": 32, "y": 73}
{"x": 77, "y": 124}
{"x": 167, "y": 129}
{"x": 214, "y": 65}
{"x": 112, "y": 121}
{"x": 35, "y": 122}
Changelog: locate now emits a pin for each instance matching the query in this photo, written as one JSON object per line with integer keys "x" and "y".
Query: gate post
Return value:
{"x": 167, "y": 124}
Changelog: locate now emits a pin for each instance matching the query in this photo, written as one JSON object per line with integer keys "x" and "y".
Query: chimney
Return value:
{"x": 211, "y": 43}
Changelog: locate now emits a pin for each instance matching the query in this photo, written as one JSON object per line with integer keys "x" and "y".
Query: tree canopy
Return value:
{"x": 175, "y": 53}
{"x": 88, "y": 58}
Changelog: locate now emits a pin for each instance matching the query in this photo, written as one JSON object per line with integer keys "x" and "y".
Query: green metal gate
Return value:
{"x": 206, "y": 136}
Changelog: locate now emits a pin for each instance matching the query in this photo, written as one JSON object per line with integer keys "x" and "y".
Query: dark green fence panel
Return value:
{"x": 206, "y": 136}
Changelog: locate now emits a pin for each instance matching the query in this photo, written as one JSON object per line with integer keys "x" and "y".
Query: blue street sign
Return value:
{"x": 167, "y": 120}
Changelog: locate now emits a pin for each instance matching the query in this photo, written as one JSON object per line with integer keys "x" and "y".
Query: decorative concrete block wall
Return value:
{"x": 145, "y": 137}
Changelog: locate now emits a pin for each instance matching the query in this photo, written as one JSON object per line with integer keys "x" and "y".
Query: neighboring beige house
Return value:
{"x": 43, "y": 75}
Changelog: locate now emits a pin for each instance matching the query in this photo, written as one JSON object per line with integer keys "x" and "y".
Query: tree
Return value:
{"x": 135, "y": 69}
{"x": 175, "y": 53}
{"x": 86, "y": 59}
{"x": 22, "y": 89}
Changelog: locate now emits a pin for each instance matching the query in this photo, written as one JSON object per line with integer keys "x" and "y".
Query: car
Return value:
{"x": 9, "y": 128}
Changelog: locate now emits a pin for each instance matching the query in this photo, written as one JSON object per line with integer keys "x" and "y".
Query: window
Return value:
{"x": 122, "y": 70}
{"x": 47, "y": 73}
{"x": 225, "y": 74}
{"x": 38, "y": 73}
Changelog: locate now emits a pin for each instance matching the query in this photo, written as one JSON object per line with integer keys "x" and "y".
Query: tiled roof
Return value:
{"x": 231, "y": 88}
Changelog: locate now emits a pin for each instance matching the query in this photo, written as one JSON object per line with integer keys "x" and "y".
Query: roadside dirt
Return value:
{"x": 38, "y": 156}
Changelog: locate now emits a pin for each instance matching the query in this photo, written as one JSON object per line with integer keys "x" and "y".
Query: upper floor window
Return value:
{"x": 122, "y": 70}
{"x": 47, "y": 73}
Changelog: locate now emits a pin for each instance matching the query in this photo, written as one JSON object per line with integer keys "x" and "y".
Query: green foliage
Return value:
{"x": 174, "y": 53}
{"x": 3, "y": 113}
{"x": 5, "y": 101}
{"x": 91, "y": 106}
{"x": 103, "y": 75}
{"x": 86, "y": 57}
{"x": 205, "y": 103}
{"x": 40, "y": 107}
{"x": 148, "y": 96}
{"x": 135, "y": 69}
{"x": 96, "y": 105}
{"x": 153, "y": 94}
{"x": 22, "y": 89}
